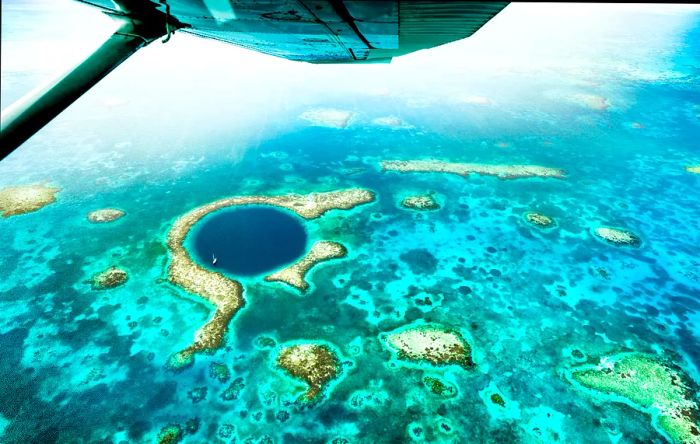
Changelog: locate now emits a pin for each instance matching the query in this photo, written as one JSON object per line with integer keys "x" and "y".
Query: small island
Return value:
{"x": 538, "y": 219}
{"x": 465, "y": 169}
{"x": 224, "y": 293}
{"x": 328, "y": 117}
{"x": 391, "y": 122}
{"x": 693, "y": 169}
{"x": 422, "y": 202}
{"x": 105, "y": 215}
{"x": 433, "y": 344}
{"x": 25, "y": 199}
{"x": 110, "y": 278}
{"x": 617, "y": 236}
{"x": 315, "y": 364}
{"x": 647, "y": 383}
{"x": 295, "y": 274}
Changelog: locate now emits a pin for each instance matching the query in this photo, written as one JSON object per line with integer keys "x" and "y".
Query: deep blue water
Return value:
{"x": 249, "y": 241}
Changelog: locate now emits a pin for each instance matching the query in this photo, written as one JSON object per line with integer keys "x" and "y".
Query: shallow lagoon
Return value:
{"x": 534, "y": 304}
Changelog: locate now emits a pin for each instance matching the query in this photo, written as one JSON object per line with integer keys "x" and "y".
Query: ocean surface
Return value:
{"x": 609, "y": 93}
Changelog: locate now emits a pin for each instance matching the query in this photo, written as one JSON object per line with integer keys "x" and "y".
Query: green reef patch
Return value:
{"x": 650, "y": 384}
{"x": 440, "y": 387}
{"x": 433, "y": 344}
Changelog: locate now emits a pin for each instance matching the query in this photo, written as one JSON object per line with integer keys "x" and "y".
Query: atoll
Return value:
{"x": 538, "y": 219}
{"x": 110, "y": 278}
{"x": 648, "y": 383}
{"x": 170, "y": 434}
{"x": 224, "y": 293}
{"x": 465, "y": 169}
{"x": 25, "y": 199}
{"x": 295, "y": 274}
{"x": 105, "y": 215}
{"x": 315, "y": 364}
{"x": 617, "y": 236}
{"x": 423, "y": 202}
{"x": 693, "y": 169}
{"x": 328, "y": 117}
{"x": 434, "y": 344}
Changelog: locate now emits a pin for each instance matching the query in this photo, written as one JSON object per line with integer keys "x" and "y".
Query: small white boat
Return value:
{"x": 213, "y": 259}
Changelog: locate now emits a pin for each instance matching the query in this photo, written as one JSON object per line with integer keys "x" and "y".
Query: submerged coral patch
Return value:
{"x": 315, "y": 364}
{"x": 465, "y": 169}
{"x": 25, "y": 199}
{"x": 433, "y": 344}
{"x": 650, "y": 384}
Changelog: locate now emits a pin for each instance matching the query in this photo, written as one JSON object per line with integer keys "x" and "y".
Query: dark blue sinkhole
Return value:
{"x": 248, "y": 241}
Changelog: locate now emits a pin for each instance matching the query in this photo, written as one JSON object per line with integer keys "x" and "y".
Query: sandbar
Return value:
{"x": 25, "y": 199}
{"x": 465, "y": 169}
{"x": 224, "y": 293}
{"x": 693, "y": 169}
{"x": 295, "y": 274}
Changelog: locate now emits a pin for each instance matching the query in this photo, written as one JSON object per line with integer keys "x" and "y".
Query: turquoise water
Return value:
{"x": 80, "y": 365}
{"x": 248, "y": 241}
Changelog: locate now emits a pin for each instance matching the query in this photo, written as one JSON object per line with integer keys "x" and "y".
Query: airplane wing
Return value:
{"x": 315, "y": 31}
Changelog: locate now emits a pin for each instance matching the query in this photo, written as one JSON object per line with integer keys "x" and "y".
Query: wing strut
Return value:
{"x": 140, "y": 25}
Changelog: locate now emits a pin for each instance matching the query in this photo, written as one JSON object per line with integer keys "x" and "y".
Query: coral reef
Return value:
{"x": 423, "y": 202}
{"x": 110, "y": 278}
{"x": 224, "y": 293}
{"x": 434, "y": 344}
{"x": 328, "y": 117}
{"x": 617, "y": 236}
{"x": 651, "y": 384}
{"x": 219, "y": 371}
{"x": 391, "y": 122}
{"x": 105, "y": 215}
{"x": 170, "y": 434}
{"x": 538, "y": 219}
{"x": 25, "y": 199}
{"x": 295, "y": 274}
{"x": 233, "y": 390}
{"x": 315, "y": 364}
{"x": 440, "y": 387}
{"x": 465, "y": 169}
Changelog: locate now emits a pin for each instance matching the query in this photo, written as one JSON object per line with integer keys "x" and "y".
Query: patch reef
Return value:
{"x": 25, "y": 199}
{"x": 436, "y": 345}
{"x": 465, "y": 169}
{"x": 315, "y": 364}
